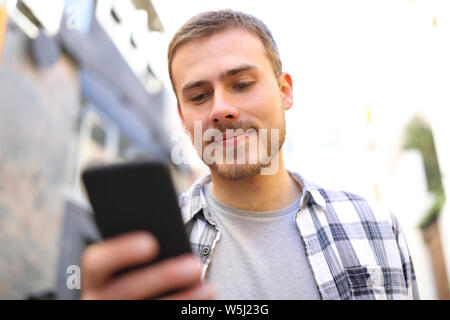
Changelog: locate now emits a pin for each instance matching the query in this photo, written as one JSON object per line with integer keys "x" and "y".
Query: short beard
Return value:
{"x": 235, "y": 172}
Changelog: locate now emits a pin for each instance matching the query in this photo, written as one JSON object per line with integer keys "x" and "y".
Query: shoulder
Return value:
{"x": 349, "y": 207}
{"x": 340, "y": 207}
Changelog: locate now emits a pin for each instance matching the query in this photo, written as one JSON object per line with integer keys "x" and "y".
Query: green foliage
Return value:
{"x": 419, "y": 136}
{"x": 433, "y": 212}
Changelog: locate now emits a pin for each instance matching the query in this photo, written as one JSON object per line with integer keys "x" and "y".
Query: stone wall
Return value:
{"x": 38, "y": 115}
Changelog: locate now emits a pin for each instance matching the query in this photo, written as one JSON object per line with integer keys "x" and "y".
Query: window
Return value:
{"x": 99, "y": 142}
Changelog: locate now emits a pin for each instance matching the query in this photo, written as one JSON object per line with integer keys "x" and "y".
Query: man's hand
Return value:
{"x": 101, "y": 260}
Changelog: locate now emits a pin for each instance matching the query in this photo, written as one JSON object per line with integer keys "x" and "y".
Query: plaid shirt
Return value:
{"x": 356, "y": 250}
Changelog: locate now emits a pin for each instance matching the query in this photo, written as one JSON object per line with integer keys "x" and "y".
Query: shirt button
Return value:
{"x": 205, "y": 251}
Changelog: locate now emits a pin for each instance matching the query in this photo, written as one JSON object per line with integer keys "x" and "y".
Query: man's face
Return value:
{"x": 225, "y": 81}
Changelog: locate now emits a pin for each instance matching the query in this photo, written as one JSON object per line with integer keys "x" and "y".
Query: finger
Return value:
{"x": 155, "y": 280}
{"x": 101, "y": 260}
{"x": 204, "y": 291}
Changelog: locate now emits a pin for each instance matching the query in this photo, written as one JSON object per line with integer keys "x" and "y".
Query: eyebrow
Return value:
{"x": 228, "y": 73}
{"x": 237, "y": 70}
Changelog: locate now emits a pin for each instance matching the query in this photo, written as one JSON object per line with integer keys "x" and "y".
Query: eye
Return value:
{"x": 243, "y": 85}
{"x": 199, "y": 97}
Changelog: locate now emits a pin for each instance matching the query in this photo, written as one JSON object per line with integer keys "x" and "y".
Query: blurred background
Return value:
{"x": 87, "y": 80}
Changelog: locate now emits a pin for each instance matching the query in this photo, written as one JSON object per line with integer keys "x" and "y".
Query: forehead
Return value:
{"x": 207, "y": 57}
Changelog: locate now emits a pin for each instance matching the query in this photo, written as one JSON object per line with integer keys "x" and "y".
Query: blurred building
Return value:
{"x": 76, "y": 86}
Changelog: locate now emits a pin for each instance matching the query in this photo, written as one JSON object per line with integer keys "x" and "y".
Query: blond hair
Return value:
{"x": 211, "y": 22}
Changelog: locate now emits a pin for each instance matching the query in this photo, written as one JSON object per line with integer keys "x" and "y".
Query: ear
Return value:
{"x": 287, "y": 96}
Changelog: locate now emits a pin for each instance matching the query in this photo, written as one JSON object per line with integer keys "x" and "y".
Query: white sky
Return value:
{"x": 345, "y": 57}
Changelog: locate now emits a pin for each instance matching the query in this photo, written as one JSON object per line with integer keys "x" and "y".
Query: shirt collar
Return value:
{"x": 313, "y": 192}
{"x": 195, "y": 199}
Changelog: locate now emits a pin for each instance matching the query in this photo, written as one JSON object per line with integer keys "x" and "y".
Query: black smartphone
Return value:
{"x": 137, "y": 196}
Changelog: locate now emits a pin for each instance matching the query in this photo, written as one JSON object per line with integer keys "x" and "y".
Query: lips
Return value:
{"x": 225, "y": 137}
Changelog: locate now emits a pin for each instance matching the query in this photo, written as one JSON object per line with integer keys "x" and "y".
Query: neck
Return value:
{"x": 257, "y": 193}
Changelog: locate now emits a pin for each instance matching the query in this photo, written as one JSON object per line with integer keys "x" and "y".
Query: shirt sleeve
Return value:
{"x": 407, "y": 264}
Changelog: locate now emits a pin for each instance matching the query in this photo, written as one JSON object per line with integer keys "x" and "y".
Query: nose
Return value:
{"x": 223, "y": 108}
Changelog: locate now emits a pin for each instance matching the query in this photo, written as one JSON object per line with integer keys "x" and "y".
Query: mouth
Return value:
{"x": 234, "y": 136}
{"x": 227, "y": 137}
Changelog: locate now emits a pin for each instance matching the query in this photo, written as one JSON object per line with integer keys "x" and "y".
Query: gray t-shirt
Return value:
{"x": 260, "y": 255}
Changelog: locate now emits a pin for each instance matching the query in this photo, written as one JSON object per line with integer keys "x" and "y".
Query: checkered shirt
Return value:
{"x": 356, "y": 249}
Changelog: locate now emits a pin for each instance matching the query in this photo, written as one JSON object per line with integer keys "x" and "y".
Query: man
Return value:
{"x": 259, "y": 230}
